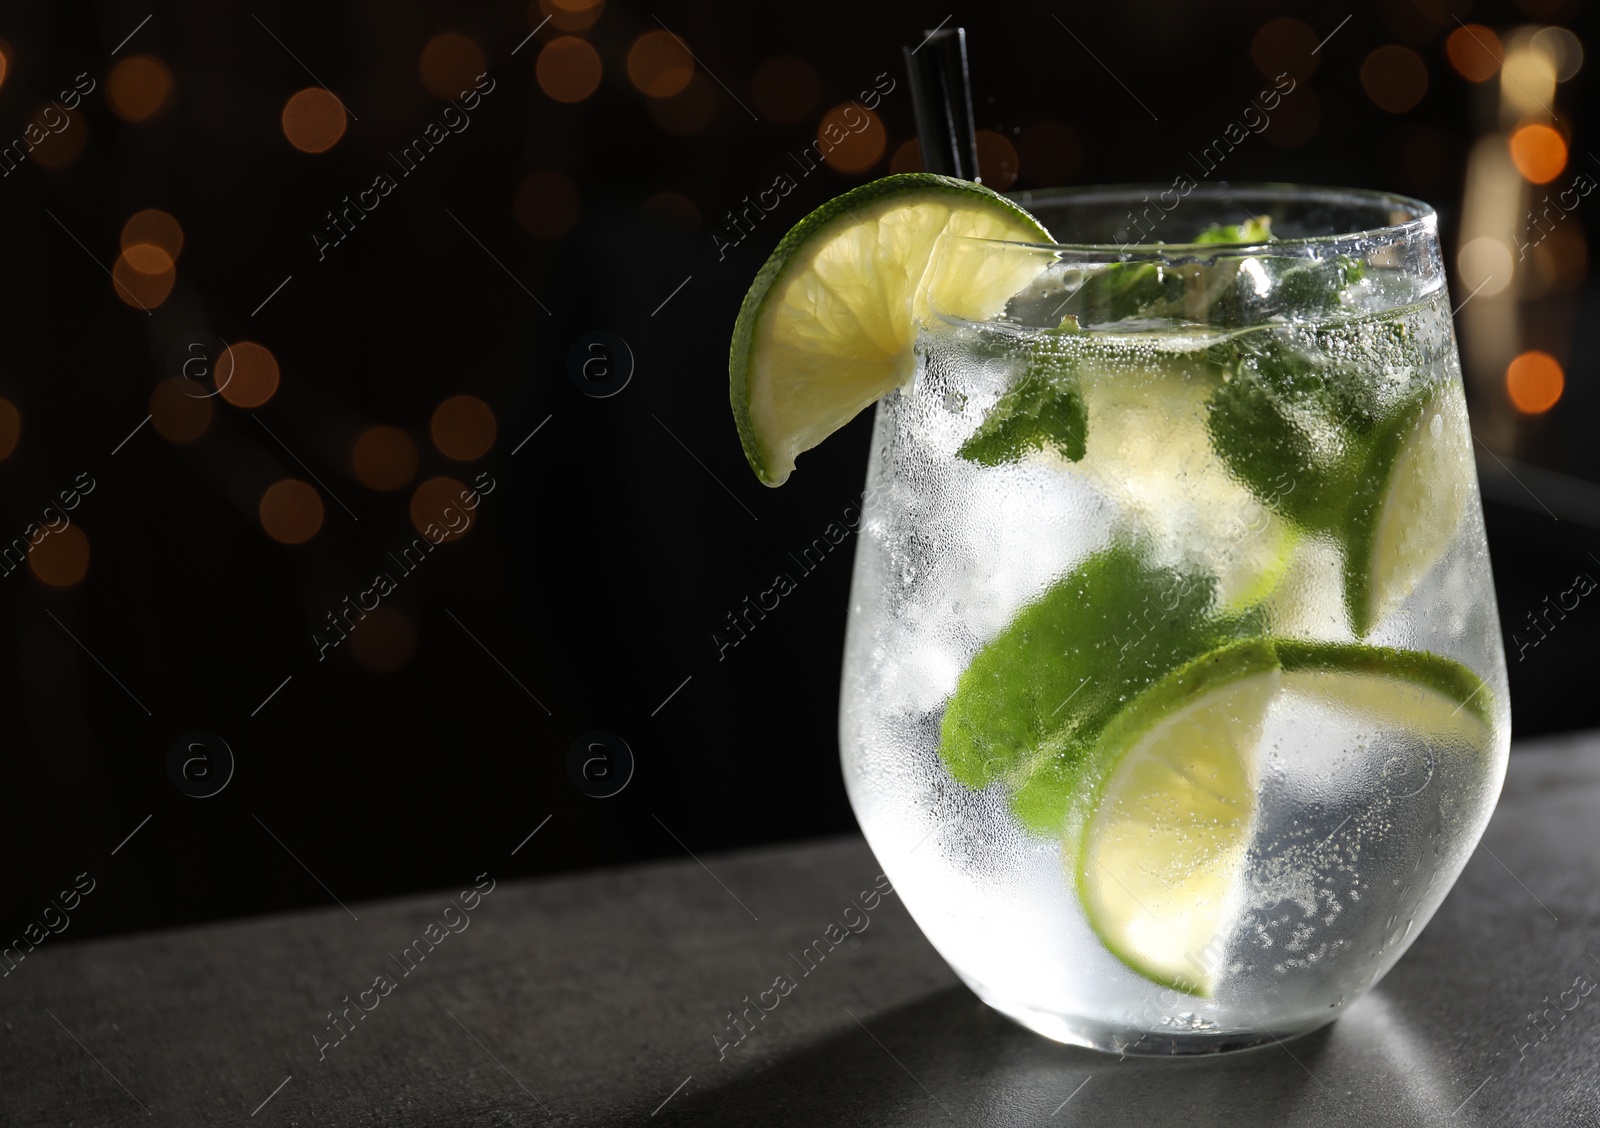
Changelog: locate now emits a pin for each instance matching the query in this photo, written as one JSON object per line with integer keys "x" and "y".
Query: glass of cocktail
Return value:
{"x": 1174, "y": 697}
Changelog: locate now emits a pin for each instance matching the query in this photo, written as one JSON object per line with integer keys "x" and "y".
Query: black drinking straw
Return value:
{"x": 941, "y": 95}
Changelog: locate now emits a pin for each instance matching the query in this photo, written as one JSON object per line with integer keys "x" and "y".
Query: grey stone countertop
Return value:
{"x": 600, "y": 998}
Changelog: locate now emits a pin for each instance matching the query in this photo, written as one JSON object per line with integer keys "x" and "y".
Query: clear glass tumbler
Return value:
{"x": 1174, "y": 697}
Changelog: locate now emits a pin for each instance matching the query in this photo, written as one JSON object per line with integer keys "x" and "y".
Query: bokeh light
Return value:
{"x": 907, "y": 157}
{"x": 177, "y": 415}
{"x": 785, "y": 89}
{"x": 5, "y": 61}
{"x": 1539, "y": 152}
{"x": 138, "y": 88}
{"x": 1564, "y": 50}
{"x": 10, "y": 428}
{"x": 58, "y": 150}
{"x": 658, "y": 65}
{"x": 436, "y": 505}
{"x": 673, "y": 207}
{"x": 1475, "y": 52}
{"x": 1050, "y": 152}
{"x": 1285, "y": 46}
{"x": 313, "y": 120}
{"x": 383, "y": 641}
{"x": 1560, "y": 261}
{"x": 143, "y": 276}
{"x": 1395, "y": 78}
{"x": 568, "y": 69}
{"x": 291, "y": 511}
{"x": 546, "y": 204}
{"x": 997, "y": 160}
{"x": 463, "y": 428}
{"x": 1486, "y": 265}
{"x": 848, "y": 143}
{"x": 1528, "y": 78}
{"x": 62, "y": 558}
{"x": 568, "y": 15}
{"x": 686, "y": 112}
{"x": 247, "y": 374}
{"x": 1534, "y": 381}
{"x": 384, "y": 458}
{"x": 155, "y": 228}
{"x": 449, "y": 64}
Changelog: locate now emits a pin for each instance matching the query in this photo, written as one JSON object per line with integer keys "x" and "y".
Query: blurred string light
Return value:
{"x": 138, "y": 88}
{"x": 851, "y": 138}
{"x": 10, "y": 428}
{"x": 449, "y": 64}
{"x": 5, "y": 61}
{"x": 658, "y": 65}
{"x": 177, "y": 414}
{"x": 313, "y": 120}
{"x": 384, "y": 458}
{"x": 568, "y": 69}
{"x": 1474, "y": 52}
{"x": 1514, "y": 246}
{"x": 62, "y": 559}
{"x": 907, "y": 157}
{"x": 546, "y": 204}
{"x": 155, "y": 228}
{"x": 785, "y": 89}
{"x": 383, "y": 640}
{"x": 997, "y": 160}
{"x": 1395, "y": 78}
{"x": 246, "y": 374}
{"x": 673, "y": 206}
{"x": 1534, "y": 381}
{"x": 291, "y": 511}
{"x": 463, "y": 428}
{"x": 568, "y": 15}
{"x": 436, "y": 504}
{"x": 143, "y": 275}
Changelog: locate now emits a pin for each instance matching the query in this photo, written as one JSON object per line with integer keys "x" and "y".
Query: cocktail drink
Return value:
{"x": 1174, "y": 698}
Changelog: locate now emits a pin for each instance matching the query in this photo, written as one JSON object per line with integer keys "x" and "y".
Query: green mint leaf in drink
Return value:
{"x": 1256, "y": 229}
{"x": 1034, "y": 699}
{"x": 1041, "y": 411}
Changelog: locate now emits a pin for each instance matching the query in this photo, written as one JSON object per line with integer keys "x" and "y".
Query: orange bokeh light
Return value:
{"x": 568, "y": 15}
{"x": 1534, "y": 381}
{"x": 1539, "y": 152}
{"x": 1475, "y": 52}
{"x": 384, "y": 458}
{"x": 568, "y": 69}
{"x": 848, "y": 143}
{"x": 659, "y": 65}
{"x": 5, "y": 60}
{"x": 143, "y": 276}
{"x": 1395, "y": 78}
{"x": 546, "y": 204}
{"x": 997, "y": 160}
{"x": 247, "y": 374}
{"x": 178, "y": 415}
{"x": 291, "y": 511}
{"x": 313, "y": 120}
{"x": 437, "y": 511}
{"x": 58, "y": 150}
{"x": 10, "y": 428}
{"x": 463, "y": 428}
{"x": 62, "y": 558}
{"x": 155, "y": 228}
{"x": 138, "y": 88}
{"x": 383, "y": 641}
{"x": 449, "y": 64}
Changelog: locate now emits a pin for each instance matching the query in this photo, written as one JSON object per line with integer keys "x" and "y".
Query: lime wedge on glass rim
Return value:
{"x": 1160, "y": 831}
{"x": 830, "y": 322}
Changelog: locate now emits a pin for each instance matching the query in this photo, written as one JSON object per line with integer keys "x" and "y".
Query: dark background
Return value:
{"x": 621, "y": 535}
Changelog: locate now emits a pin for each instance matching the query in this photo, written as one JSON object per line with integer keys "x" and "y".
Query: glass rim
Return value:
{"x": 1419, "y": 219}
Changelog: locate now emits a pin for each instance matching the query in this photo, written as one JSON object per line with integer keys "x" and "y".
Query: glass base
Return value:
{"x": 1131, "y": 1042}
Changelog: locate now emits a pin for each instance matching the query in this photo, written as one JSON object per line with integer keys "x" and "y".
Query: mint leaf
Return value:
{"x": 1037, "y": 413}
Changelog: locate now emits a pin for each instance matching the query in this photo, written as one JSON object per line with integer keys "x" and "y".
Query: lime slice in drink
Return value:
{"x": 1159, "y": 836}
{"x": 1415, "y": 489}
{"x": 829, "y": 323}
{"x": 1172, "y": 816}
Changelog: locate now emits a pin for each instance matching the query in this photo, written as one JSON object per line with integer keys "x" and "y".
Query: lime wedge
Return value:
{"x": 1417, "y": 481}
{"x": 829, "y": 323}
{"x": 1159, "y": 837}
